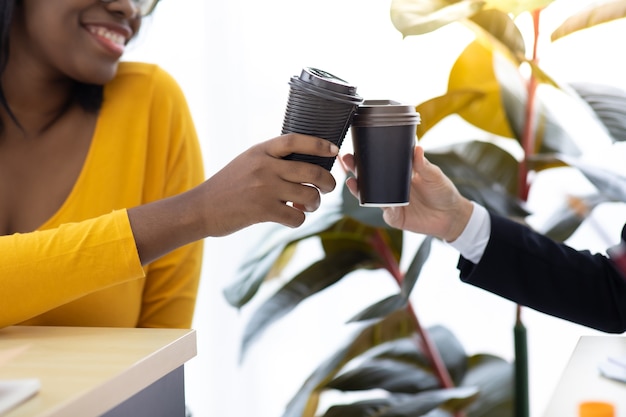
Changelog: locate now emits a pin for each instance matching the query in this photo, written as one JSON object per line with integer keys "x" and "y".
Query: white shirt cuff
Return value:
{"x": 473, "y": 240}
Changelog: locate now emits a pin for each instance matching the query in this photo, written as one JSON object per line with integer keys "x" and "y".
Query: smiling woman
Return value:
{"x": 69, "y": 109}
{"x": 103, "y": 201}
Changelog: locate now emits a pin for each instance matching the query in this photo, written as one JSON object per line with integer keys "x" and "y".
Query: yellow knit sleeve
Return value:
{"x": 171, "y": 285}
{"x": 45, "y": 269}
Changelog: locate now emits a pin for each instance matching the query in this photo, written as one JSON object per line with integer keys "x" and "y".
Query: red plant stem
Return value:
{"x": 529, "y": 146}
{"x": 528, "y": 136}
{"x": 430, "y": 349}
{"x": 535, "y": 14}
{"x": 527, "y": 141}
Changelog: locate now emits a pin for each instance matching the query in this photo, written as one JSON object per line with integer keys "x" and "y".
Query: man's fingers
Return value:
{"x": 419, "y": 160}
{"x": 347, "y": 162}
{"x": 352, "y": 186}
{"x": 393, "y": 216}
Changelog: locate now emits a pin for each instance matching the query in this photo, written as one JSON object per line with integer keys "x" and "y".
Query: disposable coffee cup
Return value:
{"x": 383, "y": 137}
{"x": 319, "y": 104}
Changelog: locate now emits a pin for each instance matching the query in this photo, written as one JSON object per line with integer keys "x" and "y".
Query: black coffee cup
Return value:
{"x": 319, "y": 104}
{"x": 383, "y": 136}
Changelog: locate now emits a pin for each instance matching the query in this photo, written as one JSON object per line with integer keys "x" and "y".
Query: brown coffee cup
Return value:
{"x": 383, "y": 136}
{"x": 319, "y": 104}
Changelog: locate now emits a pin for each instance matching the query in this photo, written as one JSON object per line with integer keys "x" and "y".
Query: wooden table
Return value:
{"x": 581, "y": 379}
{"x": 108, "y": 372}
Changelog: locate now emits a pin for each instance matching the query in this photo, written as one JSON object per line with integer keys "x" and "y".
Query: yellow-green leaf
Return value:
{"x": 436, "y": 109}
{"x": 591, "y": 16}
{"x": 473, "y": 69}
{"x": 282, "y": 261}
{"x": 517, "y": 7}
{"x": 416, "y": 17}
{"x": 541, "y": 76}
{"x": 500, "y": 31}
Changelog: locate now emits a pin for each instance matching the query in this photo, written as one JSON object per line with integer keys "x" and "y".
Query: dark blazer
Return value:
{"x": 534, "y": 271}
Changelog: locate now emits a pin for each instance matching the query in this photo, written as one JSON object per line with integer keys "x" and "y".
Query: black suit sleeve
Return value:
{"x": 535, "y": 271}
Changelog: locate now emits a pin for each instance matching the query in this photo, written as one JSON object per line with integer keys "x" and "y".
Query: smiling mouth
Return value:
{"x": 109, "y": 35}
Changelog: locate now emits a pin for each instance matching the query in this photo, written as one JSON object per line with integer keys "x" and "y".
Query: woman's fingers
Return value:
{"x": 298, "y": 172}
{"x": 290, "y": 143}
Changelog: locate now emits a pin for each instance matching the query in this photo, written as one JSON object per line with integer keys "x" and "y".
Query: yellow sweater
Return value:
{"x": 81, "y": 267}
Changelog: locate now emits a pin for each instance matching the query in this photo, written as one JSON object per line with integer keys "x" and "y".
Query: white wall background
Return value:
{"x": 234, "y": 59}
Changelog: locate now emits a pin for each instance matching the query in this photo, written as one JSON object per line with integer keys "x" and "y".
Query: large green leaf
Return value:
{"x": 264, "y": 256}
{"x": 560, "y": 114}
{"x": 315, "y": 278}
{"x": 390, "y": 375}
{"x": 250, "y": 277}
{"x": 608, "y": 182}
{"x": 494, "y": 378}
{"x": 400, "y": 300}
{"x": 380, "y": 309}
{"x": 490, "y": 161}
{"x": 565, "y": 115}
{"x": 565, "y": 220}
{"x": 438, "y": 412}
{"x": 415, "y": 267}
{"x": 609, "y": 103}
{"x": 348, "y": 246}
{"x": 483, "y": 172}
{"x": 407, "y": 405}
{"x": 394, "y": 326}
{"x": 590, "y": 16}
{"x": 348, "y": 234}
{"x": 410, "y": 350}
{"x": 416, "y": 17}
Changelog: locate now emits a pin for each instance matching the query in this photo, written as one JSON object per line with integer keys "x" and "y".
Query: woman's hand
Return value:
{"x": 257, "y": 186}
{"x": 260, "y": 186}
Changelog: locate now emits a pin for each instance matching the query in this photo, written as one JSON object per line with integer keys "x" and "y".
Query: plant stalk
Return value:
{"x": 522, "y": 403}
{"x": 429, "y": 347}
{"x": 522, "y": 400}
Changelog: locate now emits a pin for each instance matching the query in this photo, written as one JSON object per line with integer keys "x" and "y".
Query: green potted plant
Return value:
{"x": 488, "y": 90}
{"x": 425, "y": 371}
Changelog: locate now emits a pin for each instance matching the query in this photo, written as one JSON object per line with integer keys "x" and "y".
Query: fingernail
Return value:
{"x": 334, "y": 149}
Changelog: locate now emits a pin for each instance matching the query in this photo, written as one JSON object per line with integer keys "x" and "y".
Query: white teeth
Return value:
{"x": 105, "y": 33}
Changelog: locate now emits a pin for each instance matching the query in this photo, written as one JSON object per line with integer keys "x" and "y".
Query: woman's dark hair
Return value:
{"x": 6, "y": 17}
{"x": 88, "y": 96}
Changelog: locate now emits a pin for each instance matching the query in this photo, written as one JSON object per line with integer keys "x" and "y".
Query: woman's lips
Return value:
{"x": 113, "y": 41}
